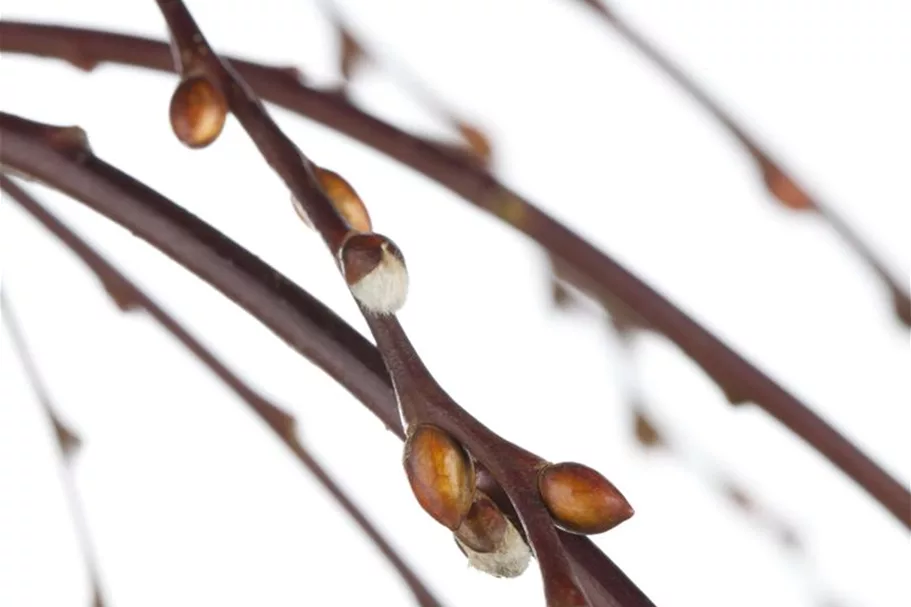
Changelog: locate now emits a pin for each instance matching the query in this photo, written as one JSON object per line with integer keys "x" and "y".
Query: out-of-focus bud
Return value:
{"x": 783, "y": 187}
{"x": 477, "y": 141}
{"x": 581, "y": 500}
{"x": 490, "y": 540}
{"x": 441, "y": 474}
{"x": 646, "y": 432}
{"x": 375, "y": 271}
{"x": 198, "y": 111}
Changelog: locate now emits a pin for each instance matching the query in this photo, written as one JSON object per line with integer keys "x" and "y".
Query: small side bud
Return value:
{"x": 198, "y": 111}
{"x": 477, "y": 141}
{"x": 581, "y": 500}
{"x": 375, "y": 271}
{"x": 783, "y": 188}
{"x": 343, "y": 197}
{"x": 484, "y": 527}
{"x": 509, "y": 559}
{"x": 441, "y": 474}
{"x": 346, "y": 201}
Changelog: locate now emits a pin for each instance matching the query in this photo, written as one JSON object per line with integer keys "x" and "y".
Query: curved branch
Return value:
{"x": 128, "y": 296}
{"x": 589, "y": 268}
{"x": 61, "y": 158}
{"x": 779, "y": 181}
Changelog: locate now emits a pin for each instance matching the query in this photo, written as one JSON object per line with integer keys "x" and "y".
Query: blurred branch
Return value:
{"x": 588, "y": 268}
{"x": 778, "y": 179}
{"x": 60, "y": 157}
{"x": 67, "y": 443}
{"x": 354, "y": 51}
{"x": 128, "y": 297}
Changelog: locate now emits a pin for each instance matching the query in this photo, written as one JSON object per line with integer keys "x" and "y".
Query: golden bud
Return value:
{"x": 346, "y": 201}
{"x": 441, "y": 474}
{"x": 581, "y": 500}
{"x": 198, "y": 111}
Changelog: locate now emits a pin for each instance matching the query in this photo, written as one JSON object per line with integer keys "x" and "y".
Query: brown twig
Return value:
{"x": 353, "y": 51}
{"x": 779, "y": 180}
{"x": 423, "y": 404}
{"x": 128, "y": 297}
{"x": 67, "y": 442}
{"x": 593, "y": 270}
{"x": 60, "y": 157}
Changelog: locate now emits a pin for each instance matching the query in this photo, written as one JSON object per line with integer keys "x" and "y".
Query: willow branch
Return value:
{"x": 594, "y": 271}
{"x": 779, "y": 180}
{"x": 128, "y": 296}
{"x": 60, "y": 157}
{"x": 67, "y": 443}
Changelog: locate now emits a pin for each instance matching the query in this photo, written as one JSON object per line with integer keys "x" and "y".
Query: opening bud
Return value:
{"x": 375, "y": 271}
{"x": 484, "y": 527}
{"x": 581, "y": 500}
{"x": 198, "y": 111}
{"x": 510, "y": 555}
{"x": 441, "y": 474}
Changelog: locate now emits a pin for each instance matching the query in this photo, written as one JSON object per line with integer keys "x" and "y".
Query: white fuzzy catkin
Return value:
{"x": 384, "y": 289}
{"x": 510, "y": 559}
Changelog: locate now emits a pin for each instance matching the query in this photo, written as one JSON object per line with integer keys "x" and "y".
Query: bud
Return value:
{"x": 783, "y": 187}
{"x": 477, "y": 141}
{"x": 646, "y": 432}
{"x": 198, "y": 111}
{"x": 441, "y": 474}
{"x": 484, "y": 527}
{"x": 68, "y": 440}
{"x": 346, "y": 201}
{"x": 581, "y": 500}
{"x": 352, "y": 54}
{"x": 375, "y": 272}
{"x": 509, "y": 559}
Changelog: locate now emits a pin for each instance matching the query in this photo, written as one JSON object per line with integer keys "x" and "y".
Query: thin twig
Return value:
{"x": 422, "y": 402}
{"x": 779, "y": 180}
{"x": 128, "y": 296}
{"x": 593, "y": 270}
{"x": 60, "y": 157}
{"x": 67, "y": 442}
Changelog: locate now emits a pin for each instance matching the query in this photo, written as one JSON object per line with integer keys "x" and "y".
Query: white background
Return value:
{"x": 191, "y": 502}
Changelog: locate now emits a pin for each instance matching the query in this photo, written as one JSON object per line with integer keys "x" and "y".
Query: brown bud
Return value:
{"x": 581, "y": 500}
{"x": 198, "y": 111}
{"x": 346, "y": 201}
{"x": 477, "y": 141}
{"x": 441, "y": 474}
{"x": 646, "y": 432}
{"x": 68, "y": 440}
{"x": 484, "y": 527}
{"x": 352, "y": 54}
{"x": 375, "y": 271}
{"x": 783, "y": 187}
